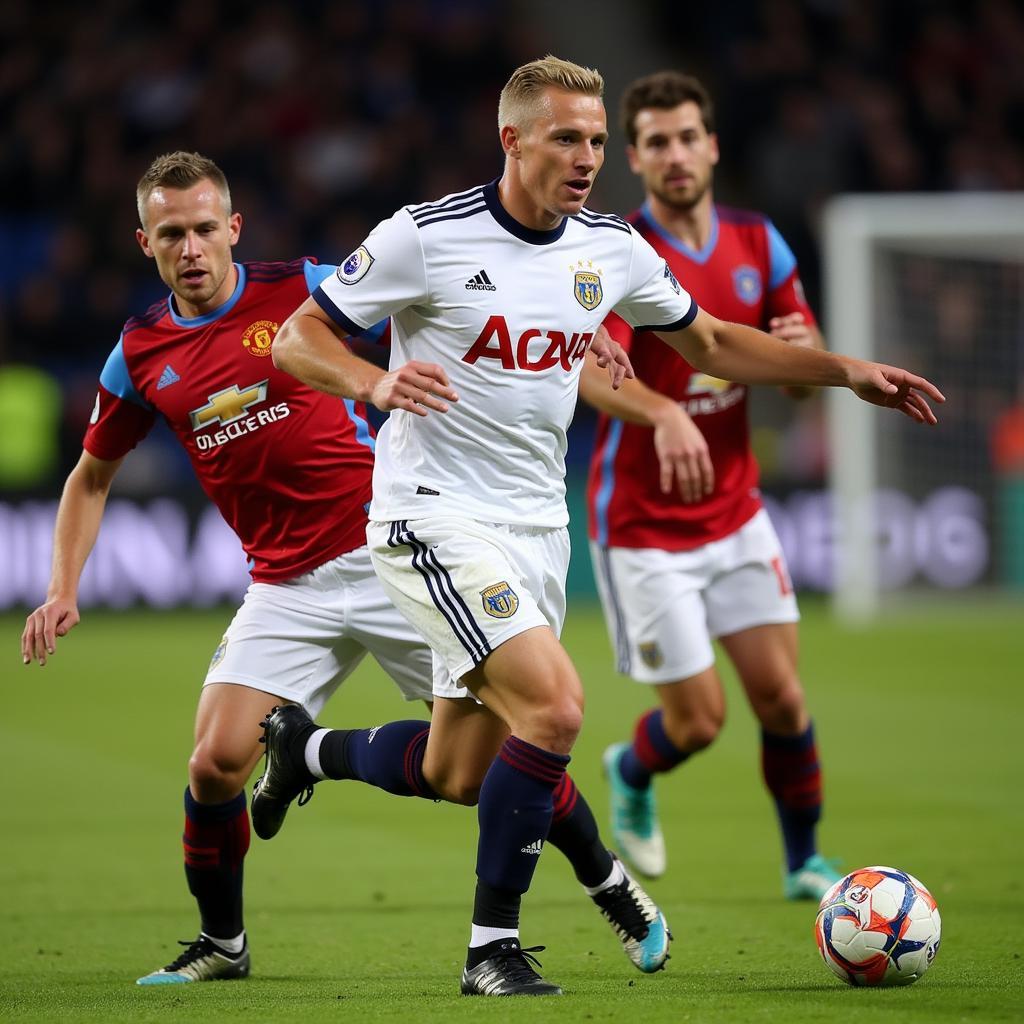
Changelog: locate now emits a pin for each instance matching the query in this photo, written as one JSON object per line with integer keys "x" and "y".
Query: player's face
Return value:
{"x": 674, "y": 154}
{"x": 559, "y": 154}
{"x": 190, "y": 234}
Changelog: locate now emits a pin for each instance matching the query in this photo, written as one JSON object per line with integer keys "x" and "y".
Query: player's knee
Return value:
{"x": 553, "y": 724}
{"x": 782, "y": 709}
{"x": 215, "y": 776}
{"x": 695, "y": 731}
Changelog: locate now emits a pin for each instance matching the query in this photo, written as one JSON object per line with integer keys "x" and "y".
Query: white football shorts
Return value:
{"x": 469, "y": 586}
{"x": 663, "y": 608}
{"x": 300, "y": 639}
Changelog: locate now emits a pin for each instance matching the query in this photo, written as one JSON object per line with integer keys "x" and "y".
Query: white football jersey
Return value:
{"x": 509, "y": 313}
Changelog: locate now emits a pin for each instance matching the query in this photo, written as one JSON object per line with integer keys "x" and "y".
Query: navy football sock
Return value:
{"x": 574, "y": 832}
{"x": 793, "y": 777}
{"x": 652, "y": 752}
{"x": 515, "y": 815}
{"x": 216, "y": 840}
{"x": 389, "y": 757}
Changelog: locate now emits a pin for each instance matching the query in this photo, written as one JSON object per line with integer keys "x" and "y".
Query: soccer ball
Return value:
{"x": 878, "y": 926}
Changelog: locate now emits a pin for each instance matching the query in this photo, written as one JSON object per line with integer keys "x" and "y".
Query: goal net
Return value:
{"x": 934, "y": 283}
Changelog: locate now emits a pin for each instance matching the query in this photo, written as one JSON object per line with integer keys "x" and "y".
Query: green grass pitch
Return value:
{"x": 359, "y": 910}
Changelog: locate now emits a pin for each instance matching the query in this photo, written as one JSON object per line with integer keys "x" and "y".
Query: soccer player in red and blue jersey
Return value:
{"x": 290, "y": 469}
{"x": 680, "y": 565}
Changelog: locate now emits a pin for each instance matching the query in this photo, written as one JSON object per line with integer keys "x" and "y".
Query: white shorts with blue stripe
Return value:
{"x": 468, "y": 586}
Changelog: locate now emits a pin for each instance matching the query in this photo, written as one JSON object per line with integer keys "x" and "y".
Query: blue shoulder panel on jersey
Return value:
{"x": 781, "y": 261}
{"x": 116, "y": 378}
{"x": 316, "y": 274}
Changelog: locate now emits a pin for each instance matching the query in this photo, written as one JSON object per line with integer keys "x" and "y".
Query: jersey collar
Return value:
{"x": 701, "y": 255}
{"x": 215, "y": 314}
{"x": 513, "y": 227}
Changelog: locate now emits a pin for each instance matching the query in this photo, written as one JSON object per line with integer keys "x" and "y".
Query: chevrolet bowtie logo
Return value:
{"x": 228, "y": 405}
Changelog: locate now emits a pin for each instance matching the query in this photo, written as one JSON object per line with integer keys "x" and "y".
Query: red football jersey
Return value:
{"x": 746, "y": 273}
{"x": 288, "y": 467}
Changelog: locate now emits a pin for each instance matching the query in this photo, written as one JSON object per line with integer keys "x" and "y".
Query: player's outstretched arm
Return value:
{"x": 794, "y": 329}
{"x": 78, "y": 524}
{"x": 683, "y": 456}
{"x": 307, "y": 347}
{"x": 744, "y": 354}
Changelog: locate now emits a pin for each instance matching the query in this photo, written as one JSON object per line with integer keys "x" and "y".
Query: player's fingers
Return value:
{"x": 707, "y": 471}
{"x": 911, "y": 380}
{"x": 38, "y": 646}
{"x": 916, "y": 405}
{"x": 26, "y": 642}
{"x": 49, "y": 629}
{"x": 428, "y": 384}
{"x": 432, "y": 370}
{"x": 685, "y": 481}
{"x": 666, "y": 472}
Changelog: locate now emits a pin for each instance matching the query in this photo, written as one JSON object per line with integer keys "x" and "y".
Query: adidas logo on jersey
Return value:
{"x": 480, "y": 283}
{"x": 167, "y": 378}
{"x": 535, "y": 847}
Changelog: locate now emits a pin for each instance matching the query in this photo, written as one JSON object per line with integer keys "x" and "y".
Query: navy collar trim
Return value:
{"x": 513, "y": 227}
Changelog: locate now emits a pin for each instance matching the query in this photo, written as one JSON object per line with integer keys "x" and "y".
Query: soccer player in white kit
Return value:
{"x": 495, "y": 295}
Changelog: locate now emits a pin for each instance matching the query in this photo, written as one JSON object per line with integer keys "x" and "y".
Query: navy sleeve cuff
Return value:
{"x": 691, "y": 315}
{"x": 324, "y": 301}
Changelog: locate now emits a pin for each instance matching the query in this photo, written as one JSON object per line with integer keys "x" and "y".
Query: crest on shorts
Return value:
{"x": 257, "y": 338}
{"x": 651, "y": 654}
{"x": 746, "y": 280}
{"x": 218, "y": 655}
{"x": 355, "y": 266}
{"x": 588, "y": 289}
{"x": 500, "y": 601}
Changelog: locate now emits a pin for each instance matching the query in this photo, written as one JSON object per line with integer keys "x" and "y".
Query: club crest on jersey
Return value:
{"x": 355, "y": 266}
{"x": 500, "y": 601}
{"x": 259, "y": 337}
{"x": 588, "y": 289}
{"x": 651, "y": 655}
{"x": 746, "y": 280}
{"x": 228, "y": 405}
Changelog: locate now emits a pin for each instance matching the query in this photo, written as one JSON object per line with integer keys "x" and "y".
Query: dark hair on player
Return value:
{"x": 664, "y": 90}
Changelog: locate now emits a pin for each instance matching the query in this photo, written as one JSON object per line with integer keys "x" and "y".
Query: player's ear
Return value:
{"x": 143, "y": 239}
{"x": 634, "y": 160}
{"x": 510, "y": 141}
{"x": 713, "y": 148}
{"x": 234, "y": 227}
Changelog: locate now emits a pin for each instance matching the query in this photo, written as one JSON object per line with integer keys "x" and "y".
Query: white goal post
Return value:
{"x": 860, "y": 234}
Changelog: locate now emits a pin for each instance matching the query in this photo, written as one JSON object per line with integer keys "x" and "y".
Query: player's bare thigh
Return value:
{"x": 227, "y": 739}
{"x": 532, "y": 685}
{"x": 465, "y": 737}
{"x": 766, "y": 662}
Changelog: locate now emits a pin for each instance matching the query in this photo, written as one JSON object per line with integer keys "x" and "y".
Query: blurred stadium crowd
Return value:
{"x": 328, "y": 116}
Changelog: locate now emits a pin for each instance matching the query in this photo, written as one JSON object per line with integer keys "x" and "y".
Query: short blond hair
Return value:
{"x": 518, "y": 103}
{"x": 180, "y": 170}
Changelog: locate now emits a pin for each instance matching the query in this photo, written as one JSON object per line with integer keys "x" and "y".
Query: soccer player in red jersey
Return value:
{"x": 678, "y": 566}
{"x": 290, "y": 469}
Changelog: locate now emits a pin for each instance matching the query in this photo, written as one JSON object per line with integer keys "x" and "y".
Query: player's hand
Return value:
{"x": 683, "y": 456}
{"x": 794, "y": 330}
{"x": 50, "y": 620}
{"x": 611, "y": 355}
{"x": 894, "y": 388}
{"x": 415, "y": 387}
